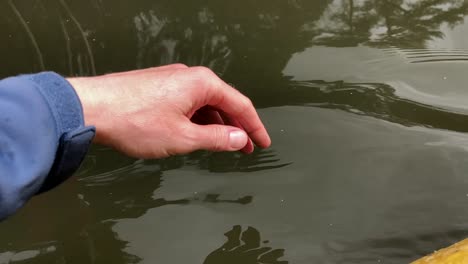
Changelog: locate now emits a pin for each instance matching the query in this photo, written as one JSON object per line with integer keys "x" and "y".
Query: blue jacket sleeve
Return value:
{"x": 43, "y": 139}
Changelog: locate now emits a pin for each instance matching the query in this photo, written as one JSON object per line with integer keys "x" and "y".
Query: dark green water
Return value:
{"x": 366, "y": 102}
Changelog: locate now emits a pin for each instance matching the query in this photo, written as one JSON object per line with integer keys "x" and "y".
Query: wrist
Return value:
{"x": 93, "y": 110}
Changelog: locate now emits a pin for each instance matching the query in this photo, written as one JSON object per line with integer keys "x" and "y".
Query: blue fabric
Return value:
{"x": 42, "y": 136}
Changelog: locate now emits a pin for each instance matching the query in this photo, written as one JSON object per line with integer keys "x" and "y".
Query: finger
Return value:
{"x": 236, "y": 105}
{"x": 249, "y": 148}
{"x": 216, "y": 137}
{"x": 240, "y": 108}
{"x": 206, "y": 116}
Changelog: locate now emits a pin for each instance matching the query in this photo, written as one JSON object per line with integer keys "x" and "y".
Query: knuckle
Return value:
{"x": 202, "y": 71}
{"x": 189, "y": 139}
{"x": 245, "y": 104}
{"x": 205, "y": 79}
{"x": 180, "y": 66}
{"x": 179, "y": 141}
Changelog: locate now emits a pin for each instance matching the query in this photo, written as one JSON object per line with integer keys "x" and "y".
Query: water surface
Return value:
{"x": 366, "y": 102}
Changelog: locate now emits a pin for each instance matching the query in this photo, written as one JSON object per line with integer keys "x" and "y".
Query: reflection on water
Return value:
{"x": 373, "y": 99}
{"x": 386, "y": 23}
{"x": 245, "y": 247}
{"x": 42, "y": 252}
{"x": 373, "y": 147}
{"x": 91, "y": 35}
{"x": 132, "y": 173}
{"x": 135, "y": 173}
{"x": 433, "y": 55}
{"x": 399, "y": 249}
{"x": 125, "y": 188}
{"x": 195, "y": 42}
{"x": 233, "y": 162}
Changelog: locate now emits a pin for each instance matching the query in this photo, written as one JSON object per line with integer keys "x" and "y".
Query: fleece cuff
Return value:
{"x": 74, "y": 137}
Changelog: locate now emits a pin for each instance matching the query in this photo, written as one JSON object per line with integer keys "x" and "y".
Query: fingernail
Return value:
{"x": 237, "y": 139}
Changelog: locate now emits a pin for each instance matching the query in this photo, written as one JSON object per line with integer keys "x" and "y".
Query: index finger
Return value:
{"x": 240, "y": 108}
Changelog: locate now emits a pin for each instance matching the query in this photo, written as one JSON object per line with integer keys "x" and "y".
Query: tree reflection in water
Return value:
{"x": 371, "y": 99}
{"x": 102, "y": 36}
{"x": 245, "y": 247}
{"x": 249, "y": 43}
{"x": 386, "y": 23}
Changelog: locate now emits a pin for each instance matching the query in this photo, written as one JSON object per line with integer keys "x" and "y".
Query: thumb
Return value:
{"x": 219, "y": 137}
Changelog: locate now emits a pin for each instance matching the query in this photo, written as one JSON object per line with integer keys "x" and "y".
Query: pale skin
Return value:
{"x": 169, "y": 110}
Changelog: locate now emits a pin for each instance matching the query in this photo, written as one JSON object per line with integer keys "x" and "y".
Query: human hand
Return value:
{"x": 169, "y": 110}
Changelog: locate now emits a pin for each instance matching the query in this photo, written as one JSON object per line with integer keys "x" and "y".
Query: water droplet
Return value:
{"x": 445, "y": 77}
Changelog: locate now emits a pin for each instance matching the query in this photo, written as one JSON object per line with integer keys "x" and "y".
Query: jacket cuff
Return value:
{"x": 74, "y": 137}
